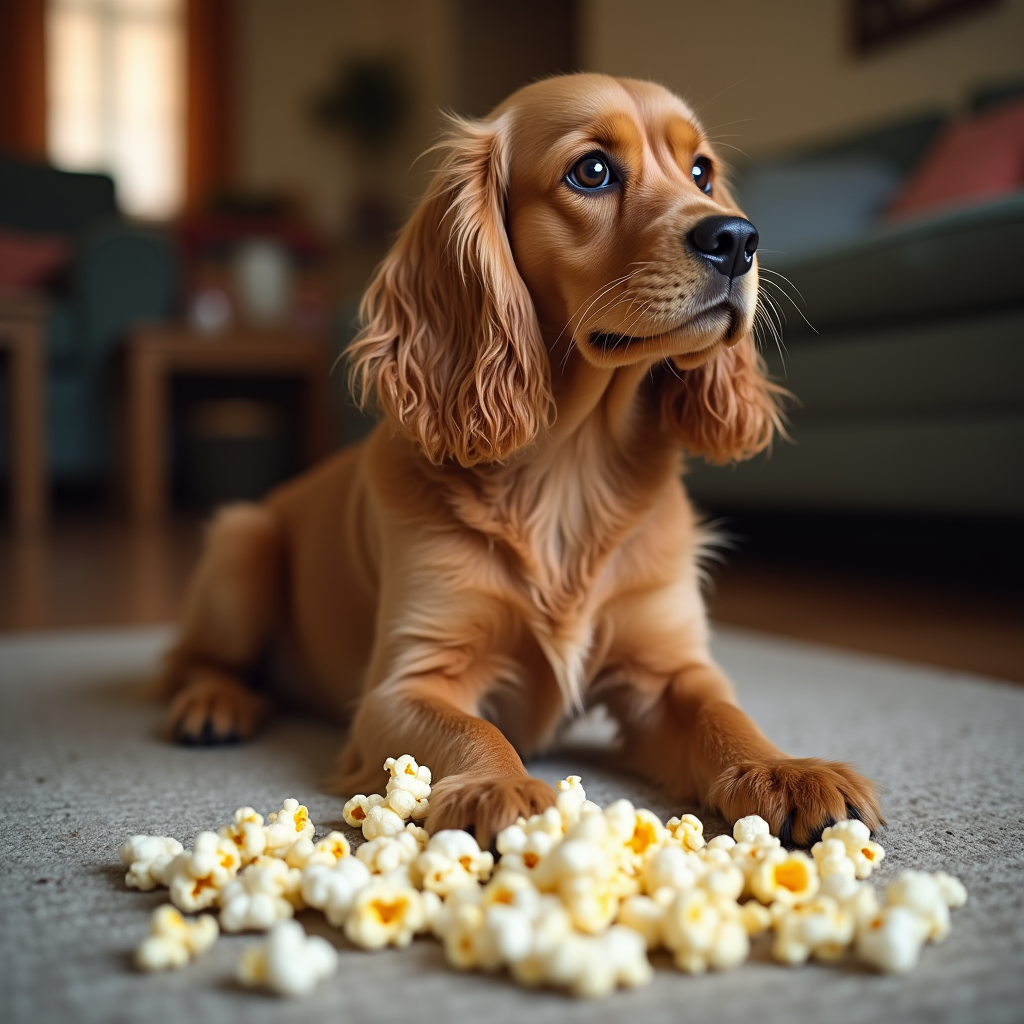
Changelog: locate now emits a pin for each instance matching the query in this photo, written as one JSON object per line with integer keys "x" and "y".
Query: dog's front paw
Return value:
{"x": 798, "y": 797}
{"x": 214, "y": 707}
{"x": 486, "y": 804}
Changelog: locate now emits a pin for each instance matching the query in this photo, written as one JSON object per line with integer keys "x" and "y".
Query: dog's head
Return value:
{"x": 585, "y": 212}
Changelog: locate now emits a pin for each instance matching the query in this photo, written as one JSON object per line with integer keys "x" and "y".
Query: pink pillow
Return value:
{"x": 27, "y": 260}
{"x": 973, "y": 160}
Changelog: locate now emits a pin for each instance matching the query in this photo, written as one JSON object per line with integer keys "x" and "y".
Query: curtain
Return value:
{"x": 23, "y": 78}
{"x": 209, "y": 96}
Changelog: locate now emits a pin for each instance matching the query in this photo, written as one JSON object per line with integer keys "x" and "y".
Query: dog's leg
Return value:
{"x": 479, "y": 779}
{"x": 687, "y": 734}
{"x": 229, "y": 612}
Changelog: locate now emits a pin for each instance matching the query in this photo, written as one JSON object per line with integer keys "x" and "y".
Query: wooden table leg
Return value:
{"x": 28, "y": 422}
{"x": 146, "y": 415}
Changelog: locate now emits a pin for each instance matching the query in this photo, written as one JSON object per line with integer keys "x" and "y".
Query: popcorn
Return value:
{"x": 521, "y": 850}
{"x": 196, "y": 877}
{"x": 920, "y": 892}
{"x": 784, "y": 877}
{"x": 453, "y": 859}
{"x": 725, "y": 843}
{"x": 382, "y": 821}
{"x": 551, "y": 928}
{"x": 748, "y": 855}
{"x": 578, "y": 897}
{"x": 747, "y": 829}
{"x": 952, "y": 889}
{"x": 593, "y": 967}
{"x": 355, "y": 811}
{"x": 385, "y": 913}
{"x": 819, "y": 928}
{"x": 247, "y": 833}
{"x": 288, "y": 962}
{"x": 860, "y": 848}
{"x": 688, "y": 831}
{"x": 570, "y": 799}
{"x": 647, "y": 834}
{"x": 858, "y": 899}
{"x": 261, "y": 895}
{"x": 512, "y": 889}
{"x": 408, "y": 789}
{"x": 173, "y": 941}
{"x": 288, "y": 824}
{"x": 703, "y": 933}
{"x": 672, "y": 867}
{"x": 334, "y": 889}
{"x": 891, "y": 940}
{"x": 389, "y": 852}
{"x": 592, "y": 903}
{"x": 645, "y": 916}
{"x": 831, "y": 859}
{"x": 724, "y": 883}
{"x": 328, "y": 851}
{"x": 487, "y": 936}
{"x": 148, "y": 859}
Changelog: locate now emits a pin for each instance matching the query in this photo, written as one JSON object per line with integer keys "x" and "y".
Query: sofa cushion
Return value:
{"x": 976, "y": 159}
{"x": 802, "y": 205}
{"x": 957, "y": 261}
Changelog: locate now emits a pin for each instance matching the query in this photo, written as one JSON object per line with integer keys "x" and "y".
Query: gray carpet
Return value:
{"x": 82, "y": 768}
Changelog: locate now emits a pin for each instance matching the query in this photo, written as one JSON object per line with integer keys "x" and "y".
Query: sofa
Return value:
{"x": 903, "y": 339}
{"x": 103, "y": 274}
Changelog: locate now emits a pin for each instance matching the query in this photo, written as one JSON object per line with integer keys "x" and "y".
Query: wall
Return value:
{"x": 767, "y": 75}
{"x": 288, "y": 53}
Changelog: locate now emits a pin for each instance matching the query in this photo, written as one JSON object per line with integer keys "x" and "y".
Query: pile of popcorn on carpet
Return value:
{"x": 578, "y": 898}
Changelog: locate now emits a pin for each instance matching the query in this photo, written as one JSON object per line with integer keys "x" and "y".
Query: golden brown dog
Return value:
{"x": 567, "y": 311}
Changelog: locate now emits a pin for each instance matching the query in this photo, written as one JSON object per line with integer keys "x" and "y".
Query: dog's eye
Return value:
{"x": 701, "y": 172}
{"x": 591, "y": 173}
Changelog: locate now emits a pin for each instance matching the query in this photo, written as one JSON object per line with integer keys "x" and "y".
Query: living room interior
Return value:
{"x": 276, "y": 151}
{"x": 193, "y": 195}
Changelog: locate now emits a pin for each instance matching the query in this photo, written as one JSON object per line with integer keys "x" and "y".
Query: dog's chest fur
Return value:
{"x": 559, "y": 522}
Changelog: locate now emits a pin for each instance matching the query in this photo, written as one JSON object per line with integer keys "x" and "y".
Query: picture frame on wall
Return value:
{"x": 879, "y": 23}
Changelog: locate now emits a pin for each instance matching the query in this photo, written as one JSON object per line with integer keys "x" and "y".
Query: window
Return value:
{"x": 115, "y": 88}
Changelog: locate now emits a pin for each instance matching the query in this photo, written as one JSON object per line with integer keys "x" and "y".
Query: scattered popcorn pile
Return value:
{"x": 578, "y": 898}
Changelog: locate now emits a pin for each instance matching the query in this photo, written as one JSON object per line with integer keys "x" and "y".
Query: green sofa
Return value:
{"x": 118, "y": 272}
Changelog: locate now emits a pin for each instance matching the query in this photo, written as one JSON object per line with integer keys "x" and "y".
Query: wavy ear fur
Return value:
{"x": 726, "y": 410}
{"x": 450, "y": 346}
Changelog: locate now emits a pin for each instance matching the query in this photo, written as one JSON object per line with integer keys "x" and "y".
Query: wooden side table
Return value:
{"x": 155, "y": 353}
{"x": 22, "y": 320}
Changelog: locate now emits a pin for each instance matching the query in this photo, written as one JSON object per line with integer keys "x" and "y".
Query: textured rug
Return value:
{"x": 82, "y": 767}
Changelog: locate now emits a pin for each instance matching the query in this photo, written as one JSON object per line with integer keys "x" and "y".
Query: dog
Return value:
{"x": 569, "y": 309}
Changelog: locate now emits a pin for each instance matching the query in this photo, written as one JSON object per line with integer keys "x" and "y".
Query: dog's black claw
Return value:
{"x": 853, "y": 813}
{"x": 786, "y": 832}
{"x": 206, "y": 737}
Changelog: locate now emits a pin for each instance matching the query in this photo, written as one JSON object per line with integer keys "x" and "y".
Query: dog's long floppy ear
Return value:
{"x": 450, "y": 347}
{"x": 727, "y": 409}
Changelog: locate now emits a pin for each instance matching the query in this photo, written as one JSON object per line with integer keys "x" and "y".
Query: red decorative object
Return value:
{"x": 973, "y": 160}
{"x": 30, "y": 260}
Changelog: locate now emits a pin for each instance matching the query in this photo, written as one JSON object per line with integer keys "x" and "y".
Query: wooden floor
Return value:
{"x": 92, "y": 571}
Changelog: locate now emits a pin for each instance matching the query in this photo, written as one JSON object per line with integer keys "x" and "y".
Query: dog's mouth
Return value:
{"x": 707, "y": 322}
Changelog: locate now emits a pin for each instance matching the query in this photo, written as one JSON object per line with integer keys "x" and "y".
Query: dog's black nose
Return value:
{"x": 727, "y": 243}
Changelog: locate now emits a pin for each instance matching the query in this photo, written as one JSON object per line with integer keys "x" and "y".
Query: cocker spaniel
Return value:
{"x": 567, "y": 312}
